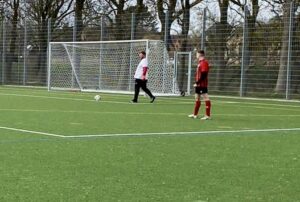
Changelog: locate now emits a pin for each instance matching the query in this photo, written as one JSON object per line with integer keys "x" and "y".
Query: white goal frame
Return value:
{"x": 86, "y": 66}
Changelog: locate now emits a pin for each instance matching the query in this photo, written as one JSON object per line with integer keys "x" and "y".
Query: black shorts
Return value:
{"x": 201, "y": 90}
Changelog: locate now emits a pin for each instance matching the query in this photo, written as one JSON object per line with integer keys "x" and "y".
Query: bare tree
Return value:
{"x": 221, "y": 42}
{"x": 289, "y": 8}
{"x": 184, "y": 21}
{"x": 79, "y": 7}
{"x": 12, "y": 43}
{"x": 169, "y": 7}
{"x": 250, "y": 42}
{"x": 282, "y": 74}
{"x": 295, "y": 84}
{"x": 42, "y": 12}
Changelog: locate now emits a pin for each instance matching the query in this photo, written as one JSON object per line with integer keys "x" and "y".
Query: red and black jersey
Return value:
{"x": 202, "y": 73}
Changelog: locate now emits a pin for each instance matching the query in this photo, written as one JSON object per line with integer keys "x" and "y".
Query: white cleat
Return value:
{"x": 192, "y": 116}
{"x": 206, "y": 118}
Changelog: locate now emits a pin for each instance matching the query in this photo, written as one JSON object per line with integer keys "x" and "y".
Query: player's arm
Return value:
{"x": 145, "y": 69}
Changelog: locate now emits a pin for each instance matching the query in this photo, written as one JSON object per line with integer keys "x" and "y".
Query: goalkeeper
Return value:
{"x": 141, "y": 78}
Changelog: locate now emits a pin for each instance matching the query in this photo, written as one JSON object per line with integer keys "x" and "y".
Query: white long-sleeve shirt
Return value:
{"x": 139, "y": 70}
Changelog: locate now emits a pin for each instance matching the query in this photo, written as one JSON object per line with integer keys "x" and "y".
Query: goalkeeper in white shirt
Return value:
{"x": 141, "y": 78}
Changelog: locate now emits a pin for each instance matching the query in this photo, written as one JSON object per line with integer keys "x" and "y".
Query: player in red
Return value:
{"x": 201, "y": 82}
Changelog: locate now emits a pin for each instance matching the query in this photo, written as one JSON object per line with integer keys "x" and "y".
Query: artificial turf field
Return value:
{"x": 64, "y": 146}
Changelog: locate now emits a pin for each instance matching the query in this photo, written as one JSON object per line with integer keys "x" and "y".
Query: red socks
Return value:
{"x": 208, "y": 106}
{"x": 197, "y": 107}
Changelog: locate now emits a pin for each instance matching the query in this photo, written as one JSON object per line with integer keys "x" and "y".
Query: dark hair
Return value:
{"x": 201, "y": 52}
{"x": 143, "y": 52}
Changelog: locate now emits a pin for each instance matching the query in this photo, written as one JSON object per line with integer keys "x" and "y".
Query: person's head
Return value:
{"x": 200, "y": 54}
{"x": 142, "y": 54}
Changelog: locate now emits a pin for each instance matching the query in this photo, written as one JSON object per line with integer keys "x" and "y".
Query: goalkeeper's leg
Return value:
{"x": 136, "y": 90}
{"x": 146, "y": 90}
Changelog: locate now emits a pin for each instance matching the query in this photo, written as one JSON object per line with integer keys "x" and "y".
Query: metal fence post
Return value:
{"x": 288, "y": 65}
{"x": 100, "y": 52}
{"x": 132, "y": 38}
{"x": 3, "y": 51}
{"x": 166, "y": 27}
{"x": 133, "y": 26}
{"x": 102, "y": 29}
{"x": 25, "y": 51}
{"x": 49, "y": 54}
{"x": 166, "y": 43}
{"x": 203, "y": 36}
{"x": 244, "y": 51}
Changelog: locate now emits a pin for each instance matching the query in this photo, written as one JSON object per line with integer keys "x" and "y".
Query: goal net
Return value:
{"x": 109, "y": 66}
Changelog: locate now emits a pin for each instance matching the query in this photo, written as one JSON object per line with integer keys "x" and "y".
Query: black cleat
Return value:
{"x": 152, "y": 100}
{"x": 133, "y": 101}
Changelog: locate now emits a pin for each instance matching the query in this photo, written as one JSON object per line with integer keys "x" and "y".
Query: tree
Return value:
{"x": 117, "y": 17}
{"x": 169, "y": 8}
{"x": 251, "y": 27}
{"x": 79, "y": 6}
{"x": 12, "y": 42}
{"x": 221, "y": 43}
{"x": 288, "y": 9}
{"x": 42, "y": 12}
{"x": 185, "y": 24}
{"x": 295, "y": 84}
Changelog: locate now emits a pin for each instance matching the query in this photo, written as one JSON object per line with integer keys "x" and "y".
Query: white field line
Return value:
{"x": 241, "y": 104}
{"x": 257, "y": 99}
{"x": 184, "y": 101}
{"x": 263, "y": 104}
{"x": 139, "y": 113}
{"x": 31, "y": 131}
{"x": 25, "y": 88}
{"x": 184, "y": 133}
{"x": 151, "y": 134}
{"x": 62, "y": 98}
{"x": 89, "y": 100}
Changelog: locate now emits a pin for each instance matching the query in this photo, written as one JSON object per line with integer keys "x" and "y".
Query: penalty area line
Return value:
{"x": 186, "y": 133}
{"x": 31, "y": 131}
{"x": 151, "y": 134}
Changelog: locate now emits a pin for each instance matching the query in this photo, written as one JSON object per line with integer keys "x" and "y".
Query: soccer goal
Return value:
{"x": 109, "y": 66}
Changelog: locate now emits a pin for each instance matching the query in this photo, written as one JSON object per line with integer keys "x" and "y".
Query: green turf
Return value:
{"x": 244, "y": 166}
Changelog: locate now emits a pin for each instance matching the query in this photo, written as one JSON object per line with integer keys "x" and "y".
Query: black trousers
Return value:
{"x": 141, "y": 84}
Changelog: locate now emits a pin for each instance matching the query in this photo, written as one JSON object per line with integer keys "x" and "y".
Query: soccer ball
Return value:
{"x": 97, "y": 97}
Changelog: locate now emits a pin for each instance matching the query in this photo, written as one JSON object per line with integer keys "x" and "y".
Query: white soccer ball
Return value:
{"x": 97, "y": 97}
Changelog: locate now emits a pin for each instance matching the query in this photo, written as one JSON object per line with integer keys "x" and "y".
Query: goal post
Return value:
{"x": 109, "y": 66}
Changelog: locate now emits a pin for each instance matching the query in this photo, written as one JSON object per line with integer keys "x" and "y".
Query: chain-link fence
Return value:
{"x": 248, "y": 57}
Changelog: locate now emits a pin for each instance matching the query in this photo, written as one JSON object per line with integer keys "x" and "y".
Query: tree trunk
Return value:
{"x": 295, "y": 57}
{"x": 165, "y": 30}
{"x": 281, "y": 80}
{"x": 250, "y": 42}
{"x": 221, "y": 34}
{"x": 11, "y": 55}
{"x": 42, "y": 59}
{"x": 119, "y": 26}
{"x": 185, "y": 29}
{"x": 78, "y": 17}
